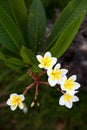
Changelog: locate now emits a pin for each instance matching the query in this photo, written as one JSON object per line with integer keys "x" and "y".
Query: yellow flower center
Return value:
{"x": 46, "y": 61}
{"x": 67, "y": 97}
{"x": 16, "y": 100}
{"x": 69, "y": 84}
{"x": 56, "y": 74}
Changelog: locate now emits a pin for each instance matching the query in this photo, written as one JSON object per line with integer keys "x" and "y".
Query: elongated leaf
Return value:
{"x": 2, "y": 57}
{"x": 9, "y": 54}
{"x": 19, "y": 12}
{"x": 5, "y": 5}
{"x": 36, "y": 25}
{"x": 24, "y": 77}
{"x": 15, "y": 63}
{"x": 6, "y": 41}
{"x": 66, "y": 37}
{"x": 70, "y": 13}
{"x": 11, "y": 31}
{"x": 30, "y": 58}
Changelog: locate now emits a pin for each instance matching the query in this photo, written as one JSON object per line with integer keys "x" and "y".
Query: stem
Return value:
{"x": 36, "y": 91}
{"x": 28, "y": 88}
{"x": 46, "y": 83}
{"x": 57, "y": 87}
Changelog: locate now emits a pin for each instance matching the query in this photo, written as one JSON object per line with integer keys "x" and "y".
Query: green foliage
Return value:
{"x": 72, "y": 11}
{"x": 15, "y": 63}
{"x": 36, "y": 25}
{"x": 30, "y": 58}
{"x": 8, "y": 30}
{"x": 66, "y": 37}
{"x": 19, "y": 12}
{"x": 5, "y": 5}
{"x": 23, "y": 77}
{"x": 16, "y": 24}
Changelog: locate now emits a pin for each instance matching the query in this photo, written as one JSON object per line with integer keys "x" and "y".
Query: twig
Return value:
{"x": 36, "y": 91}
{"x": 46, "y": 83}
{"x": 28, "y": 88}
{"x": 59, "y": 89}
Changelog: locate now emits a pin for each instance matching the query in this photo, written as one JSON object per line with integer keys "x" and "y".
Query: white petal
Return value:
{"x": 74, "y": 77}
{"x": 72, "y": 92}
{"x": 64, "y": 71}
{"x": 13, "y": 107}
{"x": 8, "y": 102}
{"x": 57, "y": 66}
{"x": 59, "y": 81}
{"x": 61, "y": 101}
{"x": 54, "y": 60}
{"x": 22, "y": 96}
{"x": 39, "y": 57}
{"x": 75, "y": 99}
{"x": 51, "y": 82}
{"x": 40, "y": 66}
{"x": 63, "y": 81}
{"x": 69, "y": 105}
{"x": 47, "y": 54}
{"x": 77, "y": 85}
{"x": 21, "y": 105}
{"x": 12, "y": 95}
{"x": 49, "y": 71}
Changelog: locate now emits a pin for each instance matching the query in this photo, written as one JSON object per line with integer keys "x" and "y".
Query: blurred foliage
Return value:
{"x": 50, "y": 5}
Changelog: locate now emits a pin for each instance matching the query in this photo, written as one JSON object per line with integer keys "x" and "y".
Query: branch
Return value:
{"x": 28, "y": 88}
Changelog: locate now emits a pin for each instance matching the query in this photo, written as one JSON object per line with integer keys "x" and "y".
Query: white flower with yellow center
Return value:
{"x": 47, "y": 61}
{"x": 68, "y": 100}
{"x": 70, "y": 85}
{"x": 16, "y": 100}
{"x": 55, "y": 75}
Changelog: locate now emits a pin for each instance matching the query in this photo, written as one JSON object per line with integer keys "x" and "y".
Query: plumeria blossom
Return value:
{"x": 55, "y": 75}
{"x": 16, "y": 100}
{"x": 47, "y": 61}
{"x": 68, "y": 99}
{"x": 69, "y": 84}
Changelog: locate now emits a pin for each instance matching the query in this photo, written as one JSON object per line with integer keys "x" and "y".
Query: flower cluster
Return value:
{"x": 56, "y": 78}
{"x": 56, "y": 75}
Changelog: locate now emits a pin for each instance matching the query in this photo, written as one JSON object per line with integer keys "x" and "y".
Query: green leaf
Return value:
{"x": 36, "y": 25}
{"x": 8, "y": 53}
{"x": 19, "y": 12}
{"x": 5, "y": 5}
{"x": 66, "y": 37}
{"x": 30, "y": 58}
{"x": 24, "y": 77}
{"x": 35, "y": 69}
{"x": 15, "y": 63}
{"x": 2, "y": 57}
{"x": 73, "y": 10}
{"x": 9, "y": 32}
{"x": 6, "y": 41}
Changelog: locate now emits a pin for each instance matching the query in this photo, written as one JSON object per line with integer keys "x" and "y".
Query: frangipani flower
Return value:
{"x": 47, "y": 61}
{"x": 70, "y": 85}
{"x": 68, "y": 100}
{"x": 55, "y": 75}
{"x": 16, "y": 100}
